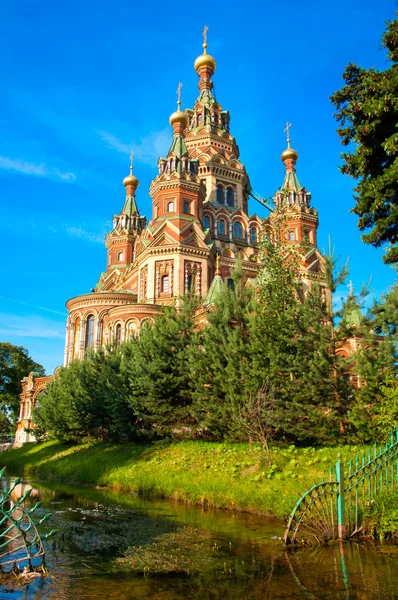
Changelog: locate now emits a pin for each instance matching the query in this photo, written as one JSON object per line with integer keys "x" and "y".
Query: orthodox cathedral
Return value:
{"x": 199, "y": 228}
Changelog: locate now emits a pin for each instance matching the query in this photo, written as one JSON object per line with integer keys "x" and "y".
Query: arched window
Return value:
{"x": 221, "y": 226}
{"x": 292, "y": 237}
{"x": 89, "y": 332}
{"x": 120, "y": 256}
{"x": 220, "y": 194}
{"x": 230, "y": 197}
{"x": 238, "y": 230}
{"x": 206, "y": 222}
{"x": 118, "y": 336}
{"x": 170, "y": 207}
{"x": 253, "y": 234}
{"x": 187, "y": 207}
{"x": 164, "y": 287}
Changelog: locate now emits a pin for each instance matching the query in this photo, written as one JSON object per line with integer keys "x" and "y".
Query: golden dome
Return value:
{"x": 205, "y": 60}
{"x": 289, "y": 154}
{"x": 178, "y": 117}
{"x": 131, "y": 180}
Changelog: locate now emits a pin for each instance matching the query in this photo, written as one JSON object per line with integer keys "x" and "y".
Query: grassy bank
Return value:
{"x": 214, "y": 474}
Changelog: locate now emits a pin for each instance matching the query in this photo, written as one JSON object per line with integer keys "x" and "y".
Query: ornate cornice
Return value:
{"x": 100, "y": 298}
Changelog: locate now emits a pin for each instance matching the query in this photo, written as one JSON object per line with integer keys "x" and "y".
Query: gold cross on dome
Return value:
{"x": 179, "y": 94}
{"x": 131, "y": 161}
{"x": 287, "y": 130}
{"x": 205, "y": 36}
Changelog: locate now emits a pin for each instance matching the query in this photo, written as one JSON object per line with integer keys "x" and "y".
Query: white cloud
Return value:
{"x": 37, "y": 170}
{"x": 29, "y": 326}
{"x": 146, "y": 150}
{"x": 90, "y": 236}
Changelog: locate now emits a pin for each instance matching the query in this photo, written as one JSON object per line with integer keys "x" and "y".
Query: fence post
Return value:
{"x": 341, "y": 529}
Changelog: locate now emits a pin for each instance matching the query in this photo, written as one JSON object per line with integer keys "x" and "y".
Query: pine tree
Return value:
{"x": 375, "y": 410}
{"x": 86, "y": 399}
{"x": 367, "y": 108}
{"x": 157, "y": 370}
{"x": 219, "y": 358}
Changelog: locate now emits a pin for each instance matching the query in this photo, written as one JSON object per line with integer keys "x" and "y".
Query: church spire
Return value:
{"x": 289, "y": 158}
{"x": 205, "y": 65}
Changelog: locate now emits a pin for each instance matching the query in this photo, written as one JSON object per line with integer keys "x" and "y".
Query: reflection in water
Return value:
{"x": 118, "y": 546}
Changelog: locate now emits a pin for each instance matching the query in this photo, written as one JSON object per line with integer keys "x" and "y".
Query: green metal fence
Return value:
{"x": 334, "y": 509}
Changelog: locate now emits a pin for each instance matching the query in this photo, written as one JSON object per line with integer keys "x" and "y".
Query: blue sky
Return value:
{"x": 81, "y": 83}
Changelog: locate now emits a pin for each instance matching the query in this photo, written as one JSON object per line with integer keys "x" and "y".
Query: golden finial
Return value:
{"x": 205, "y": 30}
{"x": 351, "y": 288}
{"x": 131, "y": 180}
{"x": 217, "y": 271}
{"x": 289, "y": 154}
{"x": 205, "y": 60}
{"x": 287, "y": 130}
{"x": 179, "y": 96}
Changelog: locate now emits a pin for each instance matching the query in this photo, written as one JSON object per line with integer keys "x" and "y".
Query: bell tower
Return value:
{"x": 126, "y": 226}
{"x": 297, "y": 220}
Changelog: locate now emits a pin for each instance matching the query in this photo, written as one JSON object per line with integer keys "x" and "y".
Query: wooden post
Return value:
{"x": 341, "y": 529}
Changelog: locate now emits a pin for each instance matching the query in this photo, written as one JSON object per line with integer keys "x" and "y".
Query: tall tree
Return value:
{"x": 367, "y": 112}
{"x": 15, "y": 363}
{"x": 86, "y": 399}
{"x": 156, "y": 367}
{"x": 375, "y": 411}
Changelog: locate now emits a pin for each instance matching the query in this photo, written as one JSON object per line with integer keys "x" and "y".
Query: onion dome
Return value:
{"x": 205, "y": 60}
{"x": 131, "y": 180}
{"x": 178, "y": 117}
{"x": 289, "y": 154}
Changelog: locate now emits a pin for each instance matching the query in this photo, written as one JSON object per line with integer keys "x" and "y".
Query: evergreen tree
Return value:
{"x": 218, "y": 360}
{"x": 88, "y": 398}
{"x": 157, "y": 370}
{"x": 367, "y": 108}
{"x": 375, "y": 411}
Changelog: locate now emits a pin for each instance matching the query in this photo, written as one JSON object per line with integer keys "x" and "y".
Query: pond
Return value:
{"x": 119, "y": 546}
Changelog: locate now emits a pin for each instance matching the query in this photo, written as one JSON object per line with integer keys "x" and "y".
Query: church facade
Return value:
{"x": 199, "y": 228}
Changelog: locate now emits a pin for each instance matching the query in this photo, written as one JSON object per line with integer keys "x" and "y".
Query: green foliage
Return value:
{"x": 375, "y": 410}
{"x": 367, "y": 108}
{"x": 381, "y": 516}
{"x": 156, "y": 368}
{"x": 15, "y": 363}
{"x": 86, "y": 399}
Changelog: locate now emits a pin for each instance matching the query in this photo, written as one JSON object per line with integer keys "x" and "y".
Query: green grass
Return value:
{"x": 209, "y": 474}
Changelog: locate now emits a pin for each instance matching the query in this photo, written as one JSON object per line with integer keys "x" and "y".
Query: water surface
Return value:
{"x": 119, "y": 546}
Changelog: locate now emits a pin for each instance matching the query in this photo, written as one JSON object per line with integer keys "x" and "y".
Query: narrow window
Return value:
{"x": 231, "y": 284}
{"x": 253, "y": 235}
{"x": 89, "y": 332}
{"x": 164, "y": 287}
{"x": 221, "y": 227}
{"x": 190, "y": 284}
{"x": 238, "y": 230}
{"x": 230, "y": 197}
{"x": 206, "y": 222}
{"x": 170, "y": 207}
{"x": 120, "y": 256}
{"x": 220, "y": 194}
{"x": 118, "y": 336}
{"x": 291, "y": 236}
{"x": 187, "y": 207}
